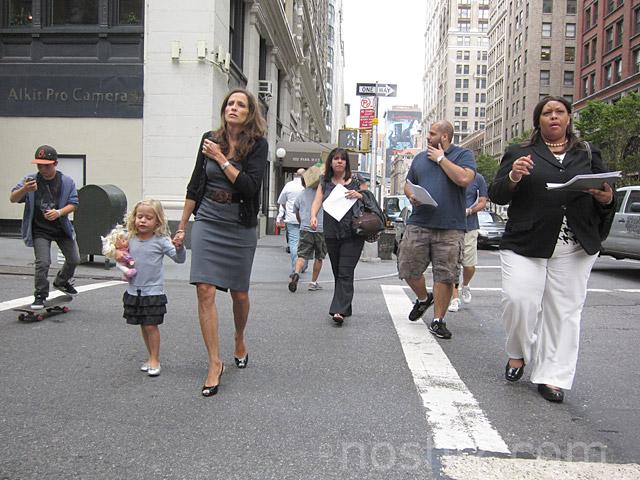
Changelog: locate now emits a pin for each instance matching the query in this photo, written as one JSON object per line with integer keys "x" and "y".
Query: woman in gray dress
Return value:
{"x": 223, "y": 194}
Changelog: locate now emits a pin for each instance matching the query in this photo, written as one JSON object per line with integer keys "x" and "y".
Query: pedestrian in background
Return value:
{"x": 549, "y": 246}
{"x": 145, "y": 302}
{"x": 435, "y": 234}
{"x": 476, "y": 200}
{"x": 287, "y": 197}
{"x": 224, "y": 195}
{"x": 49, "y": 197}
{"x": 343, "y": 245}
{"x": 312, "y": 245}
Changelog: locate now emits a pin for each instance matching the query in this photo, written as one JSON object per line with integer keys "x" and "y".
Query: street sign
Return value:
{"x": 378, "y": 90}
{"x": 366, "y": 116}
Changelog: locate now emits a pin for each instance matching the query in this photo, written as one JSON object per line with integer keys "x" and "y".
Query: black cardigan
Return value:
{"x": 535, "y": 213}
{"x": 247, "y": 183}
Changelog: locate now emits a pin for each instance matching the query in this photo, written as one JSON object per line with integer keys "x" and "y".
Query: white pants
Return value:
{"x": 542, "y": 305}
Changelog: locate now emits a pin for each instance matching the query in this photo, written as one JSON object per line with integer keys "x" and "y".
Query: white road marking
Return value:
{"x": 18, "y": 302}
{"x": 456, "y": 419}
{"x": 469, "y": 467}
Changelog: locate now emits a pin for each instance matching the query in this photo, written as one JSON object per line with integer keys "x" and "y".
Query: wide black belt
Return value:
{"x": 223, "y": 196}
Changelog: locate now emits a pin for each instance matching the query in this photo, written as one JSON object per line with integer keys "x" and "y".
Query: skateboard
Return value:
{"x": 53, "y": 306}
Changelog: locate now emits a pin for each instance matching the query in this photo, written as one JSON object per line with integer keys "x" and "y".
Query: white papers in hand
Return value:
{"x": 421, "y": 194}
{"x": 336, "y": 204}
{"x": 586, "y": 181}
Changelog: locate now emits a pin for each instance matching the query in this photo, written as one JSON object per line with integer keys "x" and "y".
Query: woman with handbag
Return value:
{"x": 549, "y": 246}
{"x": 343, "y": 245}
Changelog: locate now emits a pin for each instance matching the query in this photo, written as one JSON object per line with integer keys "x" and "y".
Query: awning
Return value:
{"x": 306, "y": 154}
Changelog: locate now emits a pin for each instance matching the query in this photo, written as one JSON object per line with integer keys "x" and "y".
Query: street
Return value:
{"x": 376, "y": 398}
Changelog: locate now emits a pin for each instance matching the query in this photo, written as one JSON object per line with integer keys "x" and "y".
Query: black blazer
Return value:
{"x": 248, "y": 183}
{"x": 535, "y": 213}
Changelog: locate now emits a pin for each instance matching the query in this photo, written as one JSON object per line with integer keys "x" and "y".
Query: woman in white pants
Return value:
{"x": 551, "y": 241}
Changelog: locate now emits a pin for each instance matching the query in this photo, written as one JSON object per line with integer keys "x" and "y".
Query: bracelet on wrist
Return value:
{"x": 511, "y": 178}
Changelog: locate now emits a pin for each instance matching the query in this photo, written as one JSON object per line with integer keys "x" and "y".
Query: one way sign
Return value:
{"x": 378, "y": 90}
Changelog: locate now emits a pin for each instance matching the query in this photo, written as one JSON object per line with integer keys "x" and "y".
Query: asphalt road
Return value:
{"x": 316, "y": 401}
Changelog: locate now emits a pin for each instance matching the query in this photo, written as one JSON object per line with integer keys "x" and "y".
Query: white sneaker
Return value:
{"x": 454, "y": 306}
{"x": 154, "y": 372}
{"x": 144, "y": 367}
{"x": 313, "y": 286}
{"x": 465, "y": 293}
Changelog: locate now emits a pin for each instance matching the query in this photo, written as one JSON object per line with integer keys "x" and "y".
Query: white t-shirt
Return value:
{"x": 287, "y": 197}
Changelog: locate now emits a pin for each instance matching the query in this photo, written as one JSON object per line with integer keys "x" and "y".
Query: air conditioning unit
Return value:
{"x": 265, "y": 88}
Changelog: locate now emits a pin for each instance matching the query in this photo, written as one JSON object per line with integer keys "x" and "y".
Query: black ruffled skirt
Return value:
{"x": 144, "y": 310}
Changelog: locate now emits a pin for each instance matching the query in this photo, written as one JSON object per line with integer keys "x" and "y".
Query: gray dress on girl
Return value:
{"x": 222, "y": 249}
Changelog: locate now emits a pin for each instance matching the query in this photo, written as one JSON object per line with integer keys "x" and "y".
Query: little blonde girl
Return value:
{"x": 145, "y": 301}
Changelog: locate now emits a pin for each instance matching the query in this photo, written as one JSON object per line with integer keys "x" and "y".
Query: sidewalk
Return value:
{"x": 271, "y": 264}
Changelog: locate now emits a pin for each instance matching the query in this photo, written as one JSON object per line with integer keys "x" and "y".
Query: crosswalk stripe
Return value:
{"x": 453, "y": 413}
{"x": 18, "y": 302}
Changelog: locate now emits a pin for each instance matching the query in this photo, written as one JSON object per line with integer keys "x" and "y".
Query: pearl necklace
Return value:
{"x": 556, "y": 144}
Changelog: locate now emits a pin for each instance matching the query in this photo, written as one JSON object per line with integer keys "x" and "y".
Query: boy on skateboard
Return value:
{"x": 49, "y": 197}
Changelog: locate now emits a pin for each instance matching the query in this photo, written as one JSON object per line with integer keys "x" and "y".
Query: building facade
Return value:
{"x": 608, "y": 51}
{"x": 456, "y": 65}
{"x": 532, "y": 55}
{"x": 124, "y": 89}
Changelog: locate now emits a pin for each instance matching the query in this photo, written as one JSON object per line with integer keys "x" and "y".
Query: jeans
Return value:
{"x": 42, "y": 252}
{"x": 293, "y": 237}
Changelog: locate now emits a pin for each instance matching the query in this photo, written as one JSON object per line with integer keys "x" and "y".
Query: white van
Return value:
{"x": 624, "y": 238}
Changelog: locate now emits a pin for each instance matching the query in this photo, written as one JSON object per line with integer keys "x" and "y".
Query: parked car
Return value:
{"x": 392, "y": 207}
{"x": 491, "y": 229}
{"x": 624, "y": 238}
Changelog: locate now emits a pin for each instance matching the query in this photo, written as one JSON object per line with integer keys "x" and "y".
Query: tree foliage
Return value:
{"x": 487, "y": 166}
{"x": 524, "y": 136}
{"x": 615, "y": 129}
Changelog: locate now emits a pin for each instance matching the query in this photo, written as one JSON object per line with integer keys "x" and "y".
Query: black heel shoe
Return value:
{"x": 513, "y": 374}
{"x": 555, "y": 395}
{"x": 211, "y": 391}
{"x": 241, "y": 362}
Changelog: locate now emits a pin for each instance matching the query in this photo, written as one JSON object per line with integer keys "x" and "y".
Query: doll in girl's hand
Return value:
{"x": 116, "y": 247}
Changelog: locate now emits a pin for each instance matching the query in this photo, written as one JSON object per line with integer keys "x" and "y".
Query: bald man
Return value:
{"x": 286, "y": 214}
{"x": 435, "y": 234}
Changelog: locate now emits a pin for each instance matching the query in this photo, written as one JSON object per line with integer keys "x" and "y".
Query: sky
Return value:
{"x": 383, "y": 42}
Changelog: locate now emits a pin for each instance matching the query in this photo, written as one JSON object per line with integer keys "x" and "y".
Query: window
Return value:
{"x": 546, "y": 30}
{"x": 608, "y": 36}
{"x": 461, "y": 111}
{"x": 481, "y": 83}
{"x": 572, "y": 7}
{"x": 481, "y": 97}
{"x": 481, "y": 69}
{"x": 547, "y": 6}
{"x": 464, "y": 26}
{"x": 464, "y": 12}
{"x": 480, "y": 111}
{"x": 619, "y": 28}
{"x": 592, "y": 82}
{"x": 568, "y": 98}
{"x": 608, "y": 75}
{"x": 462, "y": 97}
{"x": 459, "y": 55}
{"x": 545, "y": 77}
{"x": 130, "y": 12}
{"x": 636, "y": 20}
{"x": 19, "y": 13}
{"x": 462, "y": 83}
{"x": 74, "y": 12}
{"x": 587, "y": 19}
{"x": 570, "y": 54}
{"x": 594, "y": 45}
{"x": 568, "y": 78}
{"x": 585, "y": 87}
{"x": 545, "y": 53}
{"x": 636, "y": 60}
{"x": 483, "y": 26}
{"x": 617, "y": 70}
{"x": 595, "y": 12}
{"x": 570, "y": 30}
{"x": 462, "y": 69}
{"x": 236, "y": 32}
{"x": 611, "y": 5}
